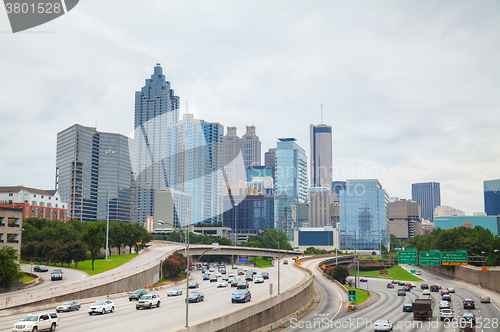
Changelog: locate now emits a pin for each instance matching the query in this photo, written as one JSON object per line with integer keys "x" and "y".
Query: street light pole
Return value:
{"x": 236, "y": 224}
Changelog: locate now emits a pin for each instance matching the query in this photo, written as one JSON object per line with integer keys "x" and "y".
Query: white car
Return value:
{"x": 101, "y": 307}
{"x": 222, "y": 283}
{"x": 382, "y": 325}
{"x": 174, "y": 292}
{"x": 259, "y": 280}
{"x": 34, "y": 322}
{"x": 446, "y": 314}
{"x": 444, "y": 305}
{"x": 218, "y": 274}
{"x": 426, "y": 292}
{"x": 148, "y": 301}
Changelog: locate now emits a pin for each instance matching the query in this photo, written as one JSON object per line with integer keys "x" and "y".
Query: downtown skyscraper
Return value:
{"x": 94, "y": 169}
{"x": 156, "y": 107}
{"x": 321, "y": 156}
{"x": 428, "y": 195}
{"x": 241, "y": 153}
{"x": 291, "y": 206}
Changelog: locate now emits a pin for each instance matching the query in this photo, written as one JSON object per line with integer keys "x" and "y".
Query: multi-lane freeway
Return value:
{"x": 171, "y": 313}
{"x": 327, "y": 316}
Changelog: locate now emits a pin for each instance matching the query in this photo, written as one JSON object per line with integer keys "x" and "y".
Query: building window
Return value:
{"x": 34, "y": 195}
{"x": 11, "y": 194}
{"x": 34, "y": 203}
{"x": 42, "y": 196}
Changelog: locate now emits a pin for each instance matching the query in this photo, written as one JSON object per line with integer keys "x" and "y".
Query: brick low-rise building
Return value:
{"x": 36, "y": 203}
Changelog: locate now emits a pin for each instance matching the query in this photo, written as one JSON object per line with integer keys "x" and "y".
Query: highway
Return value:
{"x": 327, "y": 317}
{"x": 171, "y": 313}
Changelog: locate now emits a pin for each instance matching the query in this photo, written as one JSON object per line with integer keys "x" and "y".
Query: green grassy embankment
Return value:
{"x": 396, "y": 272}
{"x": 100, "y": 265}
{"x": 361, "y": 295}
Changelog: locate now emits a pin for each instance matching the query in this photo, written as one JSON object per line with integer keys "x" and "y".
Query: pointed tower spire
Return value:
{"x": 322, "y": 113}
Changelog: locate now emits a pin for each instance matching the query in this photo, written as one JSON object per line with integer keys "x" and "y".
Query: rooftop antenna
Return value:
{"x": 322, "y": 113}
{"x": 187, "y": 107}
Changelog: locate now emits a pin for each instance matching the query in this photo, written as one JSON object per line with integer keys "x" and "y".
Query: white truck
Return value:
{"x": 37, "y": 322}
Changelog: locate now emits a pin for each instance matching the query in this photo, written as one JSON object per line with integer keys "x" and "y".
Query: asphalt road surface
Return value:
{"x": 171, "y": 313}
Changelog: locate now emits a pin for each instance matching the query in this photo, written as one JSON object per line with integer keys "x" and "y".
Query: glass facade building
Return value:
{"x": 321, "y": 156}
{"x": 156, "y": 107}
{"x": 91, "y": 165}
{"x": 364, "y": 208}
{"x": 194, "y": 165}
{"x": 255, "y": 212}
{"x": 491, "y": 223}
{"x": 492, "y": 197}
{"x": 291, "y": 205}
{"x": 428, "y": 195}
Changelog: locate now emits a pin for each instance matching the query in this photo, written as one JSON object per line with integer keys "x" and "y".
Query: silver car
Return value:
{"x": 382, "y": 325}
{"x": 101, "y": 307}
{"x": 68, "y": 306}
{"x": 446, "y": 314}
{"x": 174, "y": 292}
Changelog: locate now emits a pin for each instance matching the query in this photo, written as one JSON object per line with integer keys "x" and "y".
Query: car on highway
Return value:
{"x": 469, "y": 304}
{"x": 434, "y": 288}
{"x": 485, "y": 299}
{"x": 444, "y": 305}
{"x": 136, "y": 295}
{"x": 285, "y": 262}
{"x": 37, "y": 321}
{"x": 40, "y": 268}
{"x": 68, "y": 306}
{"x": 206, "y": 276}
{"x": 214, "y": 244}
{"x": 234, "y": 267}
{"x": 418, "y": 272}
{"x": 401, "y": 292}
{"x": 446, "y": 314}
{"x": 254, "y": 271}
{"x": 468, "y": 316}
{"x": 259, "y": 280}
{"x": 466, "y": 327}
{"x": 265, "y": 275}
{"x": 249, "y": 277}
{"x": 407, "y": 307}
{"x": 445, "y": 291}
{"x": 225, "y": 277}
{"x": 242, "y": 284}
{"x": 390, "y": 285}
{"x": 194, "y": 284}
{"x": 241, "y": 272}
{"x": 446, "y": 297}
{"x": 451, "y": 290}
{"x": 439, "y": 286}
{"x": 363, "y": 280}
{"x": 235, "y": 282}
{"x": 395, "y": 282}
{"x": 231, "y": 274}
{"x": 401, "y": 283}
{"x": 218, "y": 274}
{"x": 211, "y": 269}
{"x": 424, "y": 286}
{"x": 241, "y": 295}
{"x": 382, "y": 325}
{"x": 407, "y": 289}
{"x": 56, "y": 276}
{"x": 148, "y": 301}
{"x": 58, "y": 271}
{"x": 213, "y": 278}
{"x": 174, "y": 291}
{"x": 222, "y": 283}
{"x": 101, "y": 307}
{"x": 426, "y": 292}
{"x": 230, "y": 280}
{"x": 196, "y": 297}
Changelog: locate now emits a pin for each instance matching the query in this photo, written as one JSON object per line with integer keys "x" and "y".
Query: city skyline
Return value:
{"x": 411, "y": 96}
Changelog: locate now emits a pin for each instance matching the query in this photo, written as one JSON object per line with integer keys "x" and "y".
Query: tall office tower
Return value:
{"x": 291, "y": 206}
{"x": 156, "y": 107}
{"x": 195, "y": 154}
{"x": 250, "y": 146}
{"x": 404, "y": 218}
{"x": 94, "y": 168}
{"x": 364, "y": 207}
{"x": 321, "y": 209}
{"x": 321, "y": 156}
{"x": 492, "y": 197}
{"x": 269, "y": 157}
{"x": 233, "y": 157}
{"x": 428, "y": 195}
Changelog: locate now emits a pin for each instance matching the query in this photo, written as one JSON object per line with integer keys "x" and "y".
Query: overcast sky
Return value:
{"x": 411, "y": 88}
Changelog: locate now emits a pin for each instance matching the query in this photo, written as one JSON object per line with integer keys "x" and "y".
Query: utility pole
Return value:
{"x": 355, "y": 260}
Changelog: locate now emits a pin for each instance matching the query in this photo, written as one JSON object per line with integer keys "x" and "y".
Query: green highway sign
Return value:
{"x": 454, "y": 258}
{"x": 413, "y": 271}
{"x": 408, "y": 257}
{"x": 430, "y": 258}
{"x": 352, "y": 296}
{"x": 435, "y": 250}
{"x": 460, "y": 250}
{"x": 412, "y": 249}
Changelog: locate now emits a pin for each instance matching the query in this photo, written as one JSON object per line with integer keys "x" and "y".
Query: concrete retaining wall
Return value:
{"x": 470, "y": 274}
{"x": 262, "y": 314}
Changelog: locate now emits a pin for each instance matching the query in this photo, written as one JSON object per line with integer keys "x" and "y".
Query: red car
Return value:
{"x": 445, "y": 292}
{"x": 390, "y": 286}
